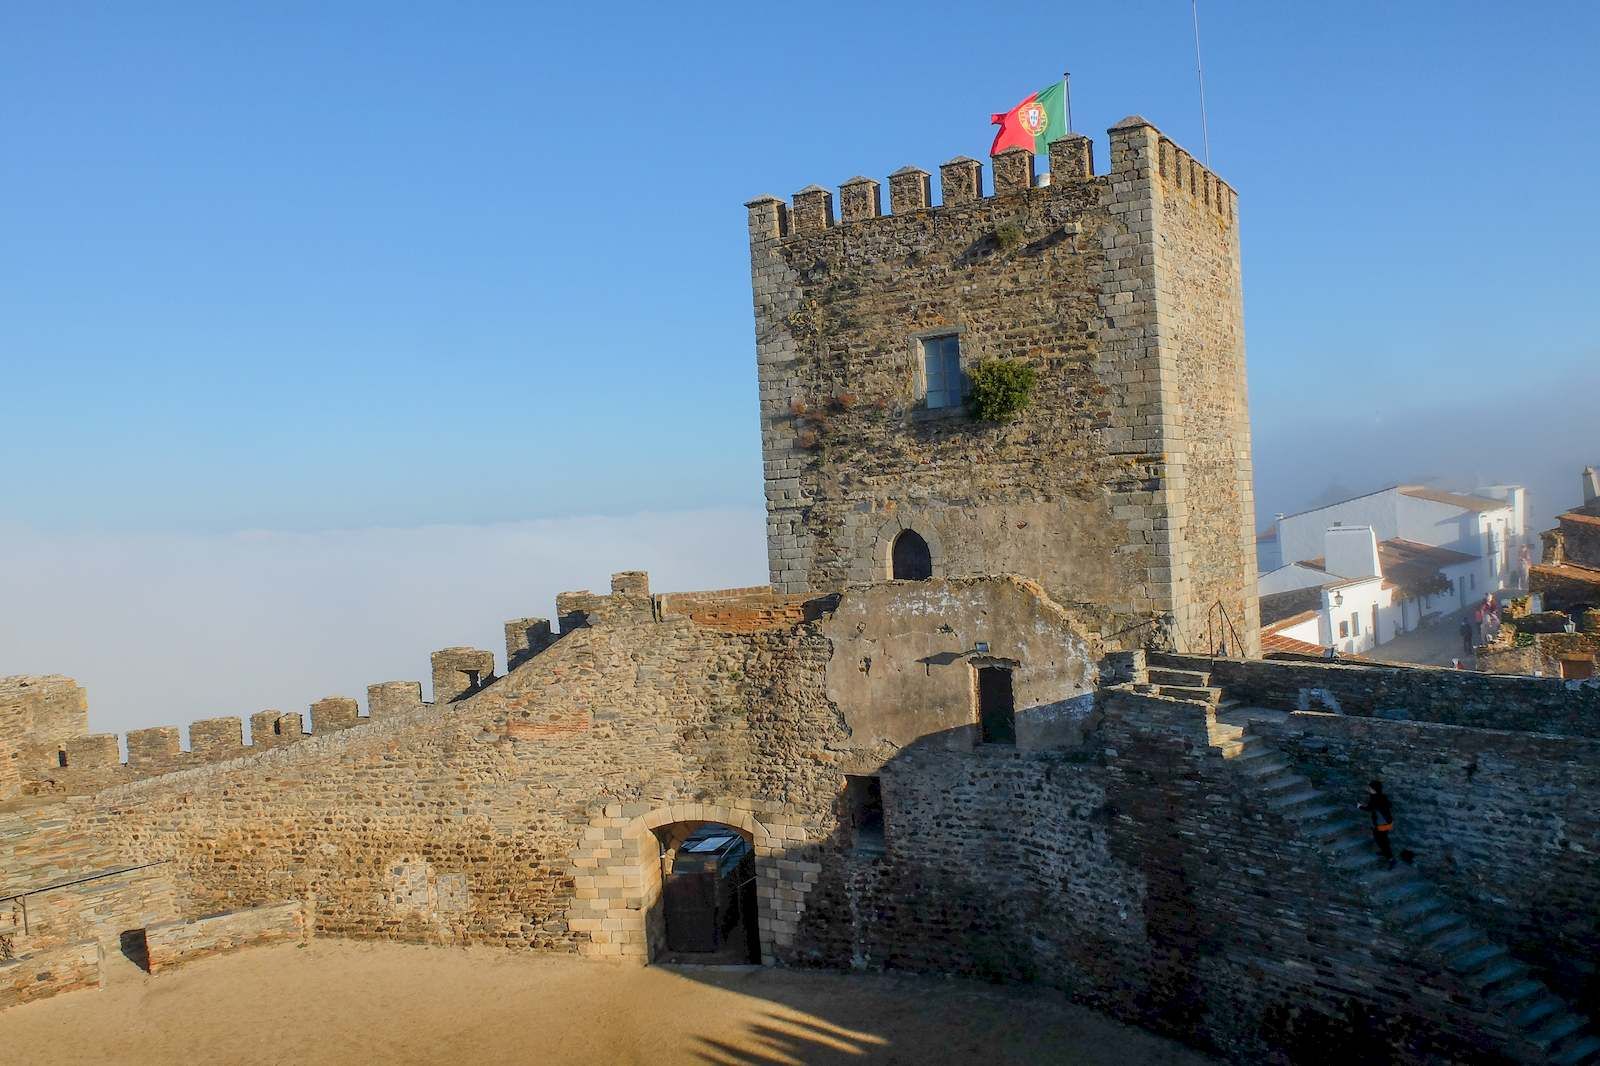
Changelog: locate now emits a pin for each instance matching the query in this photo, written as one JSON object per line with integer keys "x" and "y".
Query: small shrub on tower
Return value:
{"x": 1001, "y": 388}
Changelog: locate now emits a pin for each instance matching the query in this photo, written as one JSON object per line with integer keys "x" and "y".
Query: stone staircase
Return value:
{"x": 1184, "y": 677}
{"x": 1405, "y": 900}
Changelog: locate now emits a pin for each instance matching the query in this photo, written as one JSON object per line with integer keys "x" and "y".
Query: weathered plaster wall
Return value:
{"x": 905, "y": 653}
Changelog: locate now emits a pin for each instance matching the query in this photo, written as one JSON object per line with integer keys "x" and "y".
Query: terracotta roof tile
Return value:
{"x": 1454, "y": 499}
{"x": 1273, "y": 642}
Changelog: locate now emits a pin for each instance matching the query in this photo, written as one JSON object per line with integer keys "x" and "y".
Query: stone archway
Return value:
{"x": 878, "y": 563}
{"x": 616, "y": 874}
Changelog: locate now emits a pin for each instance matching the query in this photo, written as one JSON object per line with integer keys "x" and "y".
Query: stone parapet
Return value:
{"x": 50, "y": 972}
{"x": 172, "y": 944}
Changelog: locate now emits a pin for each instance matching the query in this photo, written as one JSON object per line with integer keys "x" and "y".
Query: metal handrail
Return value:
{"x": 1218, "y": 622}
{"x": 22, "y": 897}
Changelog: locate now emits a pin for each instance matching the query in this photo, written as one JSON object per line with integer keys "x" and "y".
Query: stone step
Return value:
{"x": 1283, "y": 781}
{"x": 1432, "y": 923}
{"x": 1189, "y": 678}
{"x": 1476, "y": 957}
{"x": 1171, "y": 660}
{"x": 1190, "y": 692}
{"x": 1556, "y": 1030}
{"x": 1347, "y": 842}
{"x": 1261, "y": 767}
{"x": 1284, "y": 802}
{"x": 1419, "y": 913}
{"x": 1503, "y": 972}
{"x": 1585, "y": 1049}
{"x": 1402, "y": 890}
{"x": 1454, "y": 940}
{"x": 1313, "y": 814}
{"x": 1536, "y": 1013}
{"x": 1517, "y": 994}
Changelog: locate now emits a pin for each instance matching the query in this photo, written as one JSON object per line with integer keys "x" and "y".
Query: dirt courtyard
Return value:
{"x": 346, "y": 1002}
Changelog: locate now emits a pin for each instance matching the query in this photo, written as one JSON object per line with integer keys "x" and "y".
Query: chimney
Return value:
{"x": 1352, "y": 551}
{"x": 1591, "y": 485}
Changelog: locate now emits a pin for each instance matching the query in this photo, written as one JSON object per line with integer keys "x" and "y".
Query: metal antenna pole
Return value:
{"x": 1066, "y": 96}
{"x": 1200, "y": 76}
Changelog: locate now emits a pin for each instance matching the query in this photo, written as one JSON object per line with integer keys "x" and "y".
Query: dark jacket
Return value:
{"x": 1377, "y": 805}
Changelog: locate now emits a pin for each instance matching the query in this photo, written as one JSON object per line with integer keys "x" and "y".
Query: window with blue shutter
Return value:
{"x": 941, "y": 369}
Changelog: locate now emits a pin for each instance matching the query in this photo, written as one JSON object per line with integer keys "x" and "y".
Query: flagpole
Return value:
{"x": 1200, "y": 76}
{"x": 1066, "y": 95}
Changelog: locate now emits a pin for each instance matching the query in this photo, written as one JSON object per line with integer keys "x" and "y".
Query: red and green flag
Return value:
{"x": 1034, "y": 123}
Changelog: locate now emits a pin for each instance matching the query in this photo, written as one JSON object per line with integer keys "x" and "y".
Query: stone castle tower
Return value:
{"x": 1124, "y": 487}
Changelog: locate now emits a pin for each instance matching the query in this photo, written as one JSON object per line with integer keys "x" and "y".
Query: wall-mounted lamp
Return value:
{"x": 982, "y": 647}
{"x": 1338, "y": 599}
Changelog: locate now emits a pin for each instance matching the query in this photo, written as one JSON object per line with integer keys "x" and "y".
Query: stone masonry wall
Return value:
{"x": 1140, "y": 876}
{"x": 1200, "y": 318}
{"x": 79, "y": 886}
{"x": 1080, "y": 492}
{"x": 523, "y": 815}
{"x": 1505, "y": 823}
{"x": 171, "y": 944}
{"x": 37, "y": 716}
{"x": 1417, "y": 693}
{"x": 44, "y": 724}
{"x": 1111, "y": 852}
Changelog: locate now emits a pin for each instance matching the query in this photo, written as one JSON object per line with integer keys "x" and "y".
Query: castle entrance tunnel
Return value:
{"x": 707, "y": 882}
{"x": 706, "y": 910}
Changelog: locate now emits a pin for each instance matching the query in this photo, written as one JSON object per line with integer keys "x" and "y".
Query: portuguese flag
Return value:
{"x": 1032, "y": 124}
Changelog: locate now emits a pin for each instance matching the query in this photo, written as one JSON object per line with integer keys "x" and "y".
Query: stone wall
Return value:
{"x": 170, "y": 944}
{"x": 1139, "y": 874}
{"x": 1416, "y": 693}
{"x": 1505, "y": 823}
{"x": 79, "y": 885}
{"x": 37, "y": 717}
{"x": 1200, "y": 315}
{"x": 1111, "y": 851}
{"x": 50, "y": 972}
{"x": 493, "y": 819}
{"x": 1086, "y": 490}
{"x": 44, "y": 725}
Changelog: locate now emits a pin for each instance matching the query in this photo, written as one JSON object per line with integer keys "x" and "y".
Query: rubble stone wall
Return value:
{"x": 1417, "y": 693}
{"x": 1505, "y": 823}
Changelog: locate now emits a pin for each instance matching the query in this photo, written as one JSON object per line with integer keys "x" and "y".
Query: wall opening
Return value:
{"x": 707, "y": 909}
{"x": 909, "y": 558}
{"x": 997, "y": 712}
{"x": 472, "y": 680}
{"x": 277, "y": 727}
{"x": 863, "y": 796}
{"x": 61, "y": 758}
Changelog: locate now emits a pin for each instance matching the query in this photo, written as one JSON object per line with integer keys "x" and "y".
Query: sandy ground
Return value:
{"x": 345, "y": 1002}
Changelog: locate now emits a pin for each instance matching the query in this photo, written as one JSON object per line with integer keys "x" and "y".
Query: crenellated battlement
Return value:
{"x": 1137, "y": 149}
{"x": 46, "y": 746}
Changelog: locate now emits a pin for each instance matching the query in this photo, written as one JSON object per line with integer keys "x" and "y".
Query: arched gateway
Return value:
{"x": 618, "y": 908}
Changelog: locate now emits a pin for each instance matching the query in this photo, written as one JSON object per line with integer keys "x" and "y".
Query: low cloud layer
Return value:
{"x": 165, "y": 629}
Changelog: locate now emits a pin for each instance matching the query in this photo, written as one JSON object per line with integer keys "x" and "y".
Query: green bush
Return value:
{"x": 1000, "y": 389}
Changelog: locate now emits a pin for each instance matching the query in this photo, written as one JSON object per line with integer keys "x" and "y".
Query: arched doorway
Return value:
{"x": 706, "y": 912}
{"x": 909, "y": 558}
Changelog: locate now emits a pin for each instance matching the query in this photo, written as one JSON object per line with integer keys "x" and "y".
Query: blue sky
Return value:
{"x": 302, "y": 267}
{"x": 310, "y": 266}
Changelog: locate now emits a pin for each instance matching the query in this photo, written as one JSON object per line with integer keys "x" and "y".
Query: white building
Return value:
{"x": 1359, "y": 593}
{"x": 1490, "y": 525}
